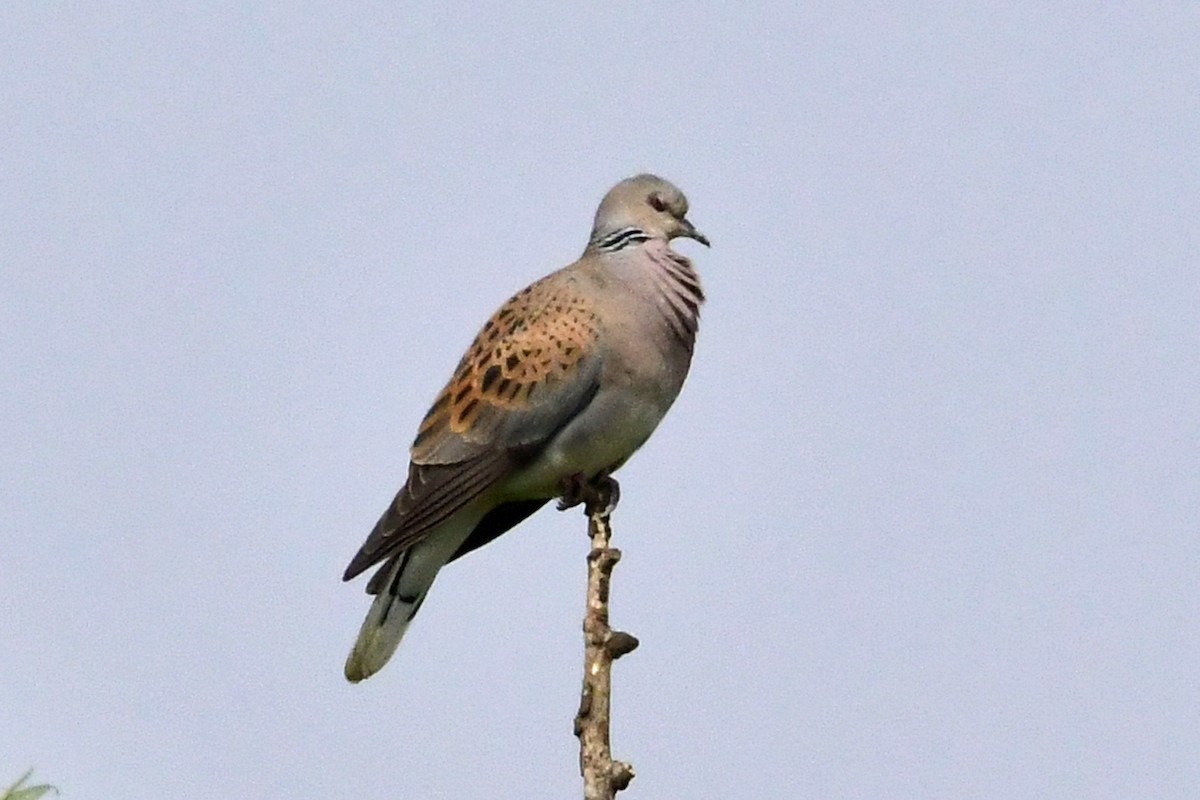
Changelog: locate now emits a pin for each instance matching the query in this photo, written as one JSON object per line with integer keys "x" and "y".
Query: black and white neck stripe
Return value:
{"x": 620, "y": 239}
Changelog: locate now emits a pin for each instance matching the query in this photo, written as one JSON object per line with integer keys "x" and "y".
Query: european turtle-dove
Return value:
{"x": 561, "y": 386}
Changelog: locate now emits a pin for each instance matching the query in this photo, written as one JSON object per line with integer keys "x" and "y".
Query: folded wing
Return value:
{"x": 530, "y": 371}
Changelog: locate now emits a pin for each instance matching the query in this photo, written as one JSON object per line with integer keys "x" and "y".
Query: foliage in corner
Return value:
{"x": 19, "y": 791}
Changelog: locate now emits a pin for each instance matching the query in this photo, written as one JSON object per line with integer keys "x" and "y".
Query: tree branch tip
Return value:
{"x": 620, "y": 643}
{"x": 622, "y": 775}
{"x": 606, "y": 557}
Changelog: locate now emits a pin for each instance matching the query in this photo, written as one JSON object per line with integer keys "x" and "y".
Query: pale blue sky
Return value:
{"x": 923, "y": 524}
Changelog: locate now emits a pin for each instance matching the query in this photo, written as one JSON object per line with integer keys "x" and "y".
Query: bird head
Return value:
{"x": 649, "y": 203}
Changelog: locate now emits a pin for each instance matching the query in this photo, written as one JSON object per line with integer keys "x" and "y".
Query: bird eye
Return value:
{"x": 657, "y": 202}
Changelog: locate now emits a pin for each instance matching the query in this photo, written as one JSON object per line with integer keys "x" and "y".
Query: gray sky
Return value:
{"x": 923, "y": 524}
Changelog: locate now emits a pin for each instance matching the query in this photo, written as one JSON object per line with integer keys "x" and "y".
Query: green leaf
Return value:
{"x": 18, "y": 791}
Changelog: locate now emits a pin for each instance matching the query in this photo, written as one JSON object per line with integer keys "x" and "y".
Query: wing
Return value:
{"x": 530, "y": 371}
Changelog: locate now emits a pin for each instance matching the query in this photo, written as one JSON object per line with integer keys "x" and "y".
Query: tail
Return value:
{"x": 399, "y": 587}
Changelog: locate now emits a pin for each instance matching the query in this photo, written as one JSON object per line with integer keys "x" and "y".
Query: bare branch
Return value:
{"x": 603, "y": 777}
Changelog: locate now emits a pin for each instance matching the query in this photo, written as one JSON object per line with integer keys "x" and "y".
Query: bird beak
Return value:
{"x": 689, "y": 230}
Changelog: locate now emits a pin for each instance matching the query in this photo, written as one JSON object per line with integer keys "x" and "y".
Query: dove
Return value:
{"x": 561, "y": 386}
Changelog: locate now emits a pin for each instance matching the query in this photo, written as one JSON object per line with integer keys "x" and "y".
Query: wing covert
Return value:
{"x": 533, "y": 367}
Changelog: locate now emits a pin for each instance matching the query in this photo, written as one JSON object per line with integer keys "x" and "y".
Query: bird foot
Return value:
{"x": 598, "y": 495}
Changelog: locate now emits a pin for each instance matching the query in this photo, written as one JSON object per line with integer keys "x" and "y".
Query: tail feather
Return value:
{"x": 407, "y": 577}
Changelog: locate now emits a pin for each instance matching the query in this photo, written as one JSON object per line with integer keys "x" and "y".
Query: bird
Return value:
{"x": 561, "y": 385}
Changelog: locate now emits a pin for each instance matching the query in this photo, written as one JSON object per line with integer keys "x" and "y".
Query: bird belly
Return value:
{"x": 600, "y": 439}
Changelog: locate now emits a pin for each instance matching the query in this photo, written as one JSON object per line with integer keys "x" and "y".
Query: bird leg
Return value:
{"x": 600, "y": 494}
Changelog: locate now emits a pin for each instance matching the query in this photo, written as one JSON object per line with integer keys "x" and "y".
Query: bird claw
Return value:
{"x": 599, "y": 495}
